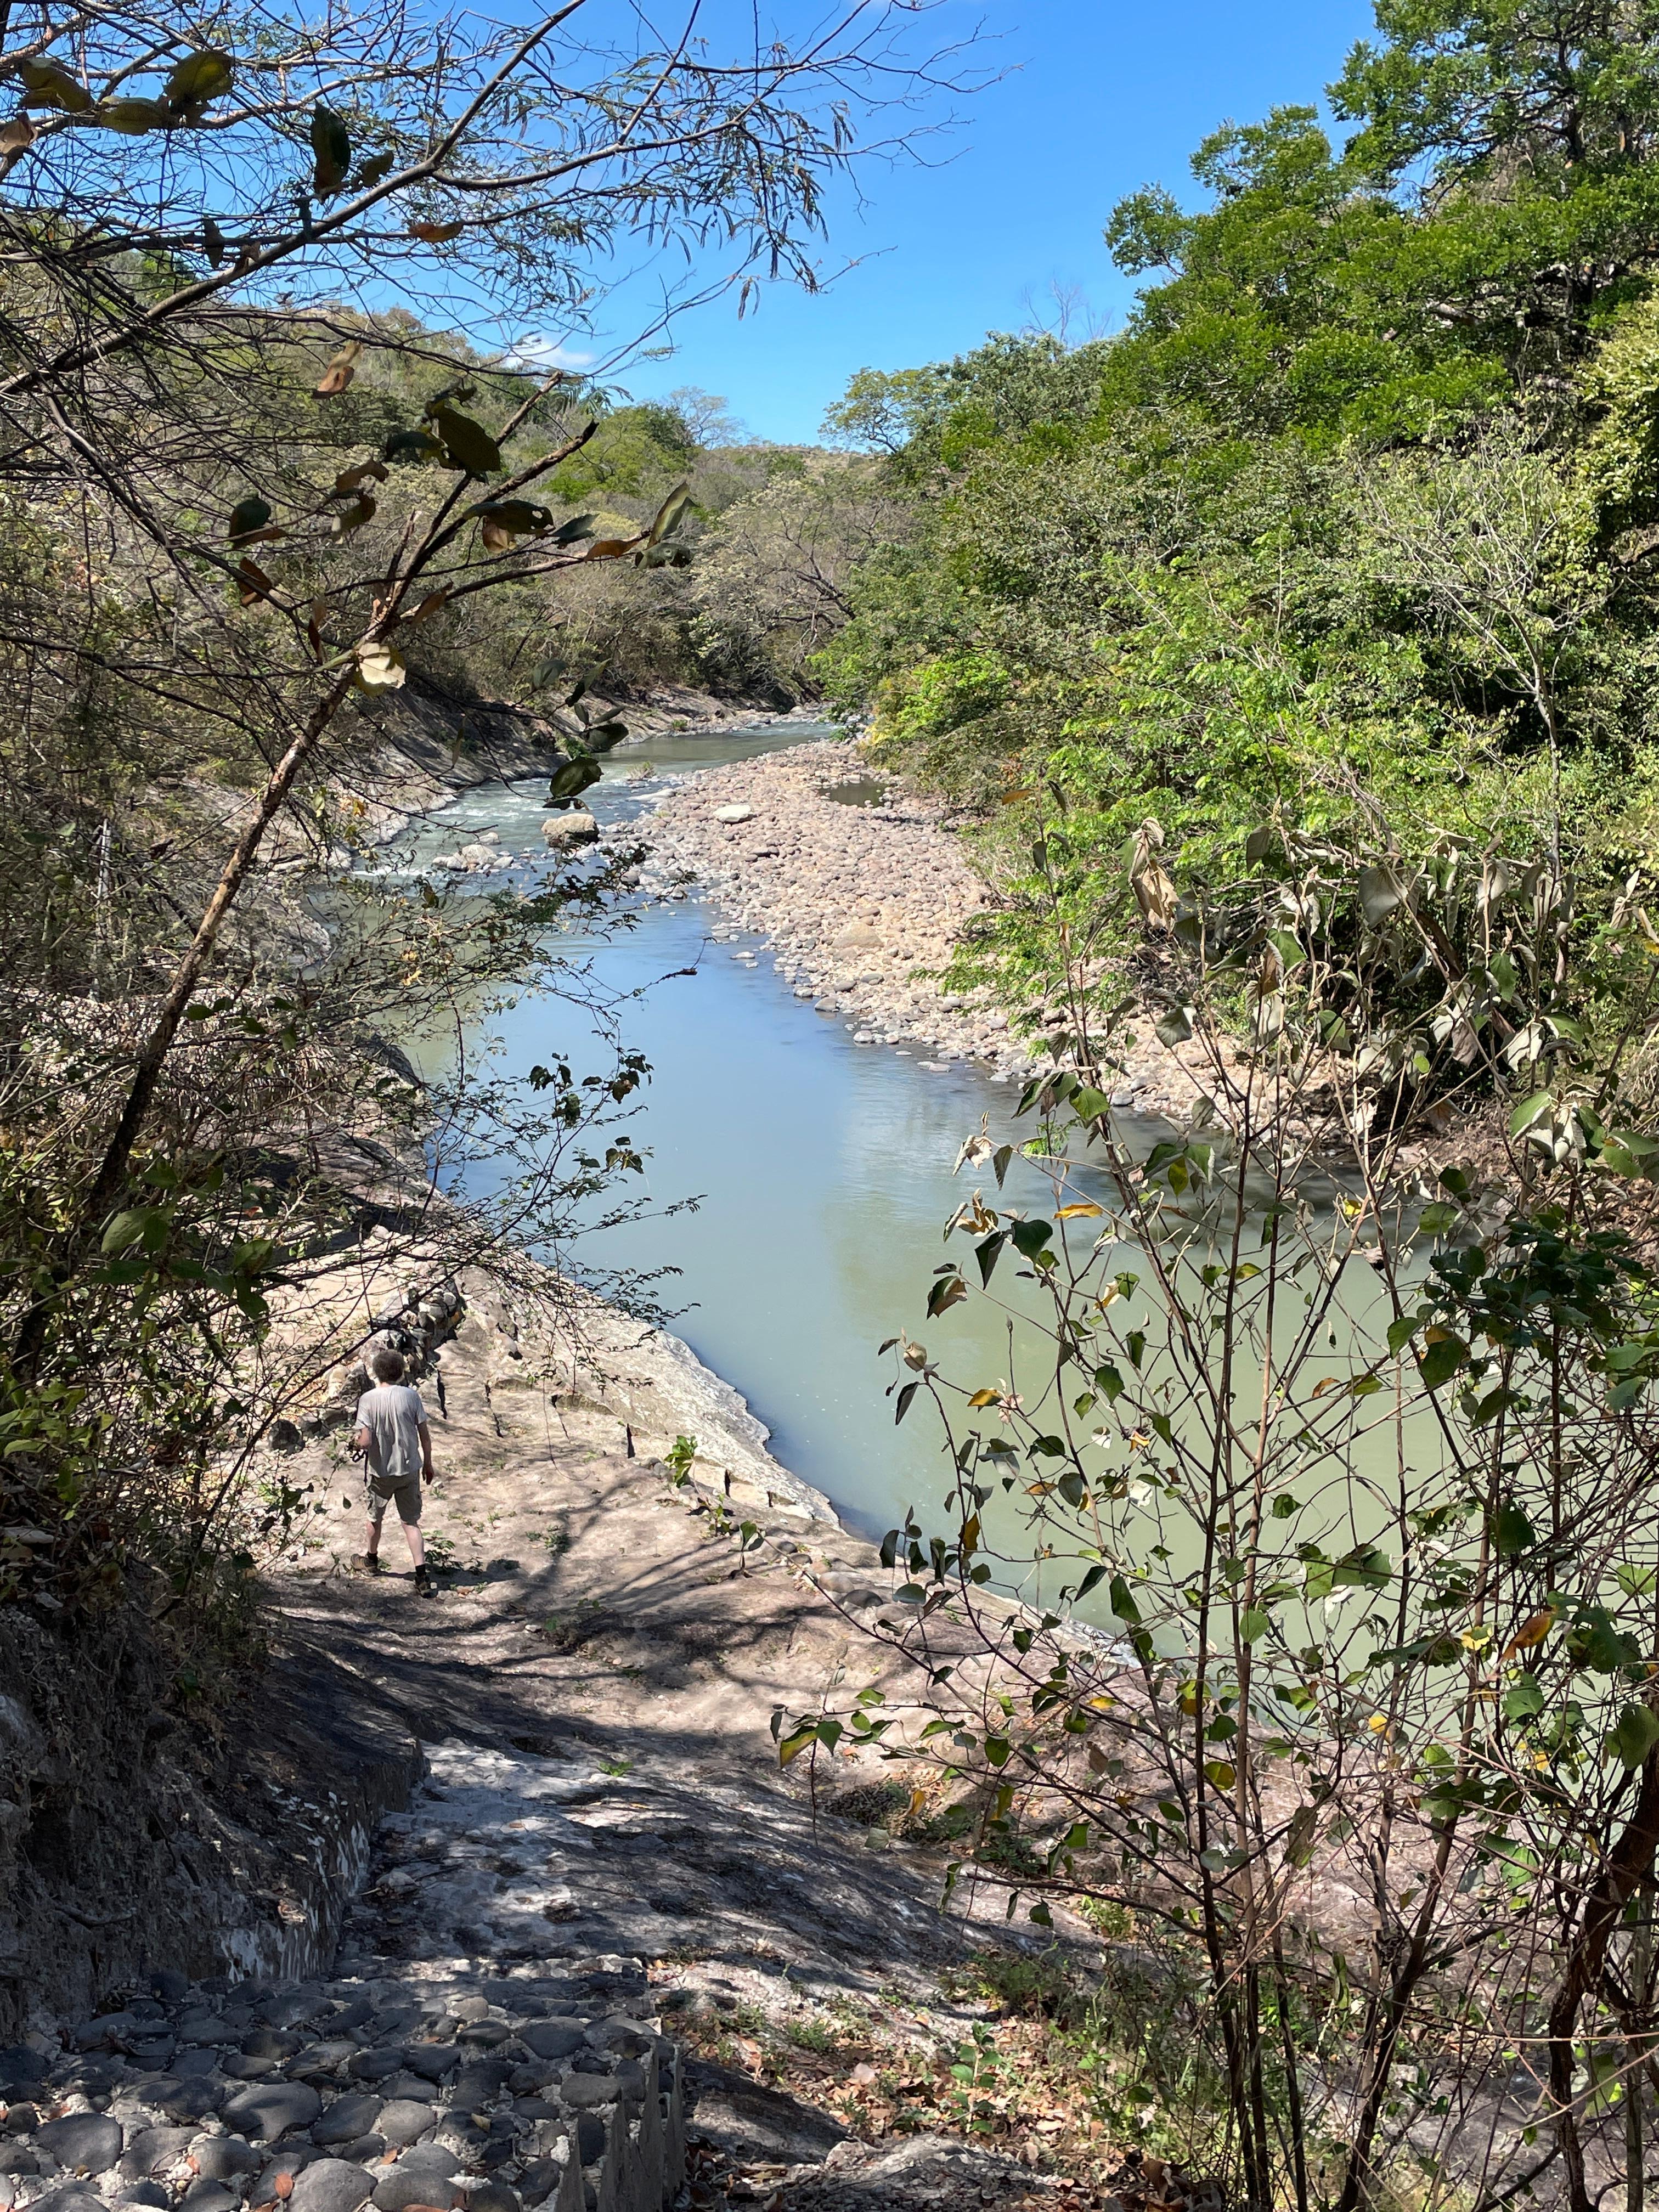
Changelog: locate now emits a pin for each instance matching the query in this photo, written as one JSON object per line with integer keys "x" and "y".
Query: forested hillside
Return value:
{"x": 1351, "y": 529}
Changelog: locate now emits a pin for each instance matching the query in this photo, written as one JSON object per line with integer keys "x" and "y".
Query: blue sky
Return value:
{"x": 1094, "y": 100}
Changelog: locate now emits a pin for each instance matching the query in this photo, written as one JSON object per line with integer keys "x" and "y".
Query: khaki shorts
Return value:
{"x": 406, "y": 1497}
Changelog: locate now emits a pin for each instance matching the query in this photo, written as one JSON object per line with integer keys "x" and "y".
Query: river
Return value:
{"x": 822, "y": 1168}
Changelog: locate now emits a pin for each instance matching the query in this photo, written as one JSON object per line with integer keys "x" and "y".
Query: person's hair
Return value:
{"x": 384, "y": 1365}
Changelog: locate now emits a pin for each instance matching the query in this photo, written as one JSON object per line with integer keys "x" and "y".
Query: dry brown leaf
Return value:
{"x": 340, "y": 371}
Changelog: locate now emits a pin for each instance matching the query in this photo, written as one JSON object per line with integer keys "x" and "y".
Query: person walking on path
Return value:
{"x": 392, "y": 1436}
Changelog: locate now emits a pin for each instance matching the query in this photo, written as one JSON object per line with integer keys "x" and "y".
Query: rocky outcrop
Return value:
{"x": 130, "y": 1833}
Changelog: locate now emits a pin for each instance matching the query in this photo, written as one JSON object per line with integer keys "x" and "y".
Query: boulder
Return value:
{"x": 734, "y": 814}
{"x": 578, "y": 827}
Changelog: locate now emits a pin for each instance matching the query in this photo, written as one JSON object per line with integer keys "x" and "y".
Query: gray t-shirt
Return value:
{"x": 392, "y": 1414}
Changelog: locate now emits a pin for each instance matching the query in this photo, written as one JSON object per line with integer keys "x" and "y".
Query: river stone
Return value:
{"x": 491, "y": 2197}
{"x": 402, "y": 2088}
{"x": 147, "y": 2193}
{"x": 18, "y": 2158}
{"x": 218, "y": 2158}
{"x": 193, "y": 2062}
{"x": 346, "y": 2118}
{"x": 375, "y": 2065}
{"x": 478, "y": 2082}
{"x": 552, "y": 2038}
{"x": 85, "y": 2142}
{"x": 191, "y": 2100}
{"x": 421, "y": 2176}
{"x": 77, "y": 2197}
{"x": 272, "y": 2109}
{"x": 210, "y": 2196}
{"x": 576, "y": 828}
{"x": 269, "y": 2043}
{"x": 432, "y": 2060}
{"x": 582, "y": 2091}
{"x": 405, "y": 2120}
{"x": 734, "y": 814}
{"x": 325, "y": 2058}
{"x": 241, "y": 2068}
{"x": 330, "y": 2184}
{"x": 151, "y": 2149}
{"x": 279, "y": 2177}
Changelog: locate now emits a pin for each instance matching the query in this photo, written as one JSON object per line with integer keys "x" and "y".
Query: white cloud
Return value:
{"x": 536, "y": 351}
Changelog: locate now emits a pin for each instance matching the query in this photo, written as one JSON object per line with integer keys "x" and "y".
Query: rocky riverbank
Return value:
{"x": 862, "y": 890}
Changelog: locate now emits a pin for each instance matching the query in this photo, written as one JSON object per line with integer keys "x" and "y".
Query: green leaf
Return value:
{"x": 46, "y": 85}
{"x": 668, "y": 514}
{"x": 1030, "y": 1239}
{"x": 127, "y": 1228}
{"x": 948, "y": 1290}
{"x": 469, "y": 445}
{"x": 1254, "y": 1623}
{"x": 1108, "y": 1383}
{"x": 1523, "y": 1700}
{"x": 1440, "y": 1362}
{"x": 247, "y": 516}
{"x": 1528, "y": 1111}
{"x": 989, "y": 1253}
{"x": 1088, "y": 1104}
{"x": 905, "y": 1396}
{"x": 1175, "y": 1026}
{"x": 331, "y": 147}
{"x": 132, "y": 118}
{"x": 374, "y": 171}
{"x": 199, "y": 78}
{"x": 1636, "y": 1734}
{"x": 578, "y": 526}
{"x": 1402, "y": 1332}
{"x": 569, "y": 780}
{"x": 1514, "y": 1532}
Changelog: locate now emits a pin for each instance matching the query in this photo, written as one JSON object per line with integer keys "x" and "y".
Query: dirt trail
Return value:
{"x": 593, "y": 1685}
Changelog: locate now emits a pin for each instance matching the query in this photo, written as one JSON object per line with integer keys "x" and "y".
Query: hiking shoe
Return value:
{"x": 366, "y": 1563}
{"x": 423, "y": 1581}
